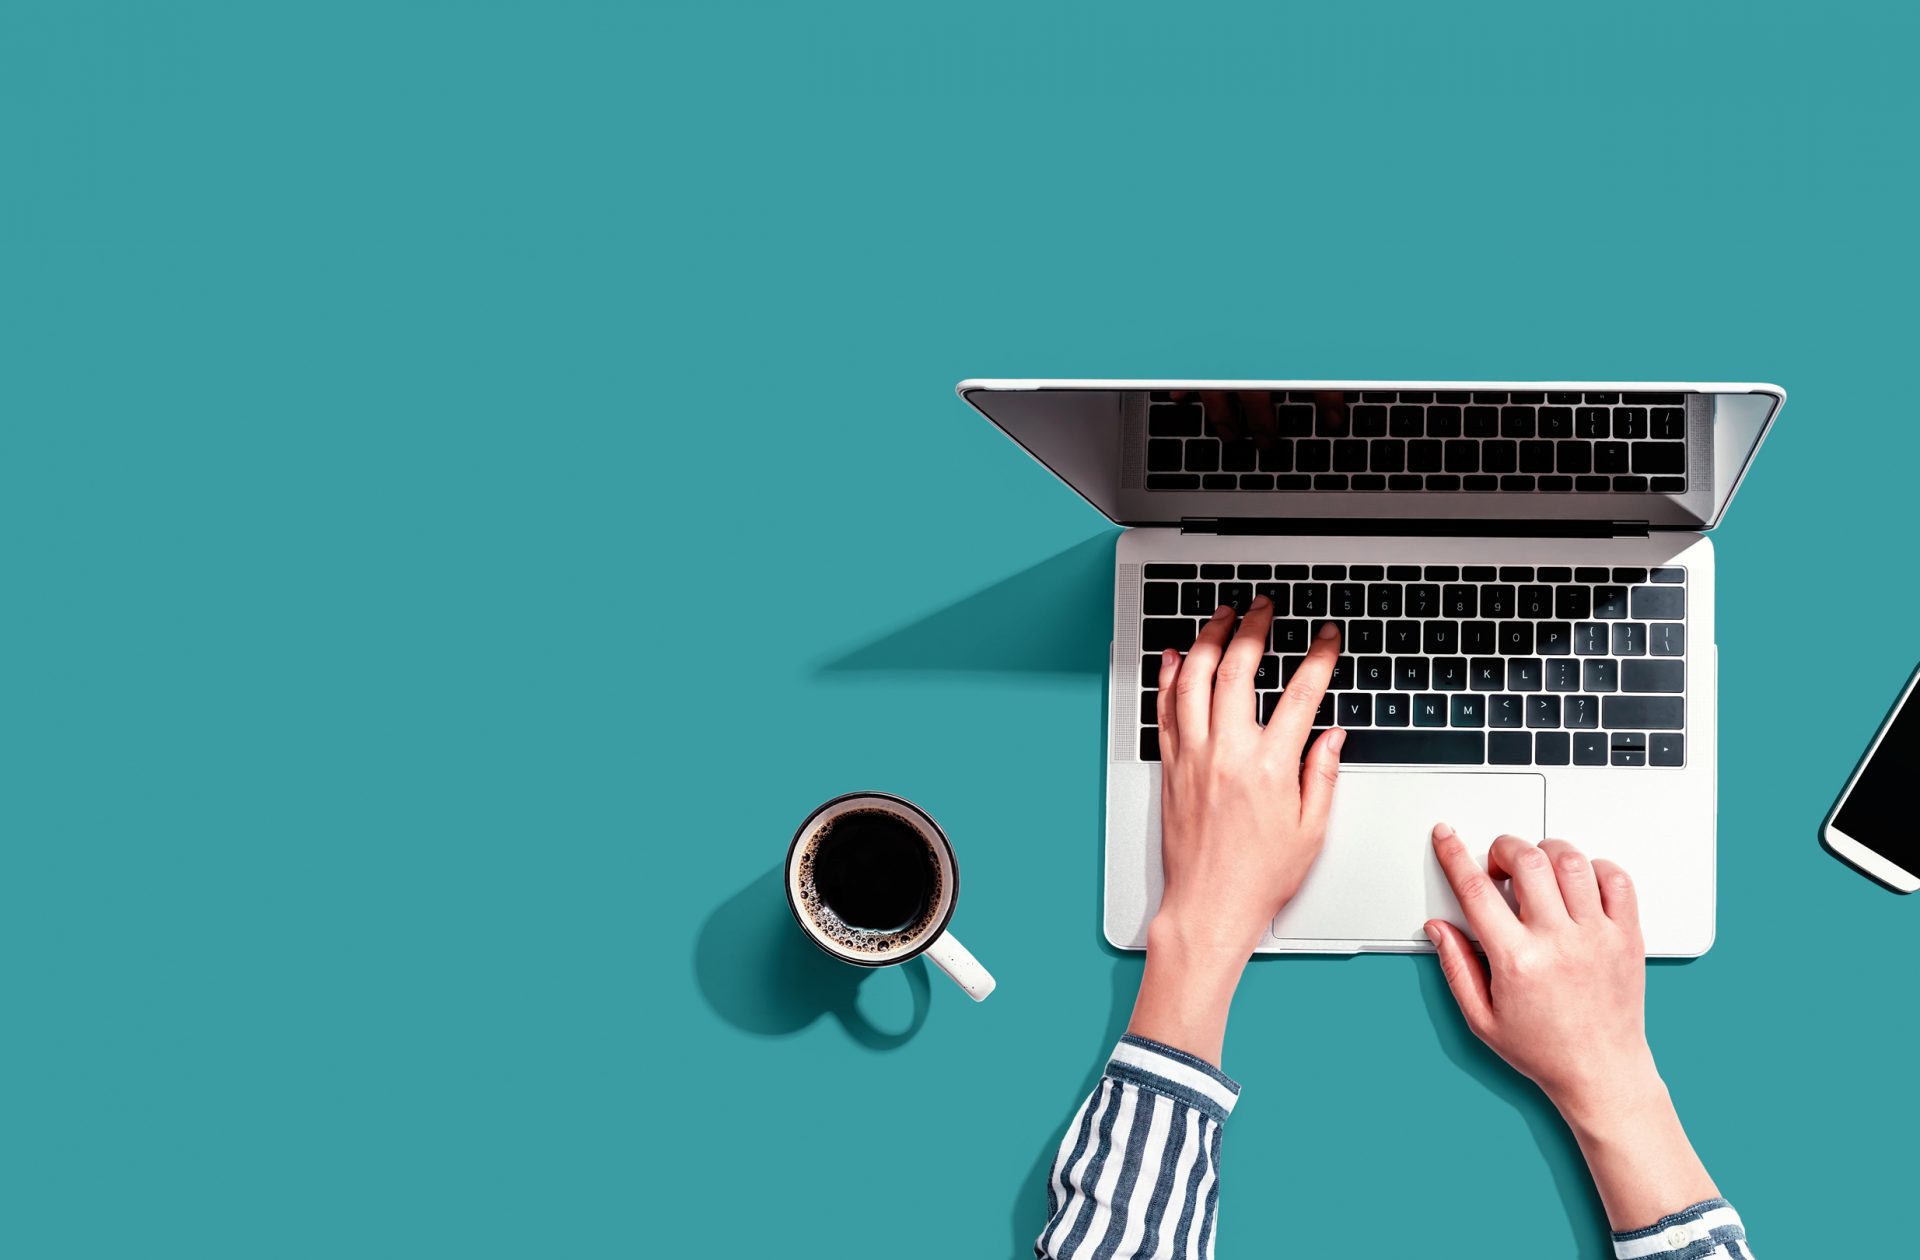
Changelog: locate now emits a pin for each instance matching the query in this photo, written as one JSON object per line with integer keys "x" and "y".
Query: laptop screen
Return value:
{"x": 1157, "y": 453}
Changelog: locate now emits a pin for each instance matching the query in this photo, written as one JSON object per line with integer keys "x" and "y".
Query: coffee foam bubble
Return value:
{"x": 860, "y": 940}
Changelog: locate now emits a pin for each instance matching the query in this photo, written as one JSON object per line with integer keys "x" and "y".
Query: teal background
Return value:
{"x": 474, "y": 475}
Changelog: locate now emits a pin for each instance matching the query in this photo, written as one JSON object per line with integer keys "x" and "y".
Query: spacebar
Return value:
{"x": 1442, "y": 748}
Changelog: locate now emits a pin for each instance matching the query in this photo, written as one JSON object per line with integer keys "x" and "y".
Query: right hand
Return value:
{"x": 1562, "y": 996}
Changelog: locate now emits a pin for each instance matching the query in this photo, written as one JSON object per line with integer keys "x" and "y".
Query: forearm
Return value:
{"x": 1638, "y": 1154}
{"x": 1186, "y": 992}
{"x": 1137, "y": 1172}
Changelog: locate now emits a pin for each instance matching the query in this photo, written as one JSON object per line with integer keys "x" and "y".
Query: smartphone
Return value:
{"x": 1875, "y": 825}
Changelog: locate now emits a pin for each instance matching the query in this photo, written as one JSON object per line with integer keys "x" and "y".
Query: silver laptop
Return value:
{"x": 1525, "y": 588}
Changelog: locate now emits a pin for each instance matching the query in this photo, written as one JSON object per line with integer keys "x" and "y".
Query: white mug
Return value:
{"x": 926, "y": 935}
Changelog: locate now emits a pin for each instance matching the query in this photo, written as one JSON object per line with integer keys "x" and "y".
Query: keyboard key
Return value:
{"x": 1403, "y": 573}
{"x": 1669, "y": 575}
{"x": 1591, "y": 423}
{"x": 1162, "y": 599}
{"x": 1504, "y": 711}
{"x": 1410, "y": 673}
{"x": 1516, "y": 638}
{"x": 1667, "y": 638}
{"x": 1516, "y": 422}
{"x": 1630, "y": 423}
{"x": 1310, "y": 599}
{"x": 1665, "y": 603}
{"x": 1543, "y": 712}
{"x": 1276, "y": 592}
{"x": 1587, "y": 484}
{"x": 1369, "y": 421}
{"x": 1608, "y": 399}
{"x": 1423, "y": 455}
{"x": 1610, "y": 602}
{"x": 1524, "y": 674}
{"x": 1384, "y": 599}
{"x": 1663, "y": 676}
{"x": 1668, "y": 422}
{"x": 1589, "y": 750}
{"x": 1150, "y": 708}
{"x": 1423, "y": 600}
{"x": 1500, "y": 456}
{"x": 1590, "y": 638}
{"x": 1213, "y": 571}
{"x": 1256, "y": 481}
{"x": 1173, "y": 481}
{"x": 1197, "y": 599}
{"x": 1237, "y": 596}
{"x": 1460, "y": 601}
{"x": 1480, "y": 481}
{"x": 1410, "y": 747}
{"x": 1219, "y": 481}
{"x": 1482, "y": 422}
{"x": 1666, "y": 748}
{"x": 1463, "y": 456}
{"x": 1365, "y": 573}
{"x": 1353, "y": 709}
{"x": 1365, "y": 636}
{"x": 1150, "y": 670}
{"x": 1449, "y": 673}
{"x": 1329, "y": 572}
{"x": 1478, "y": 638}
{"x": 1163, "y": 455}
{"x": 1488, "y": 673}
{"x": 1654, "y": 713}
{"x": 1629, "y": 750}
{"x": 1440, "y": 638}
{"x": 1269, "y": 701}
{"x": 1342, "y": 677}
{"x": 1267, "y": 676}
{"x": 1550, "y": 748}
{"x": 1291, "y": 572}
{"x": 1443, "y": 573}
{"x": 1468, "y": 710}
{"x": 1375, "y": 673}
{"x": 1560, "y": 398}
{"x": 1510, "y": 748}
{"x": 1315, "y": 455}
{"x": 1626, "y": 576}
{"x": 1348, "y": 599}
{"x": 1390, "y": 709}
{"x": 1562, "y": 674}
{"x": 1573, "y": 457}
{"x": 1239, "y": 456}
{"x": 1516, "y": 573}
{"x": 1388, "y": 455}
{"x": 1536, "y": 602}
{"x": 1403, "y": 637}
{"x": 1497, "y": 601}
{"x": 1580, "y": 712}
{"x": 1610, "y": 457}
{"x": 1522, "y": 484}
{"x": 1600, "y": 675}
{"x": 1429, "y": 710}
{"x": 1350, "y": 455}
{"x": 1630, "y": 485}
{"x": 1203, "y": 455}
{"x": 1629, "y": 638}
{"x": 1443, "y": 422}
{"x": 1368, "y": 481}
{"x": 1289, "y": 481}
{"x": 1173, "y": 571}
{"x": 1178, "y": 421}
{"x": 1291, "y": 636}
{"x": 1572, "y": 603}
{"x": 1150, "y": 744}
{"x": 1294, "y": 420}
{"x": 1536, "y": 457}
{"x": 1157, "y": 634}
{"x": 1553, "y": 638}
{"x": 1406, "y": 422}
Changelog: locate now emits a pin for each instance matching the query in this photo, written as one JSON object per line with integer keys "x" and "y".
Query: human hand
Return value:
{"x": 1241, "y": 820}
{"x": 1562, "y": 996}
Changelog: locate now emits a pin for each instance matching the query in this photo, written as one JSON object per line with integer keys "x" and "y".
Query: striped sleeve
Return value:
{"x": 1138, "y": 1171}
{"x": 1705, "y": 1231}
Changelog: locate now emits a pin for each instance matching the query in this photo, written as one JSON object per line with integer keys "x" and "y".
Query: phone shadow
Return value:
{"x": 1054, "y": 617}
{"x": 758, "y": 973}
{"x": 1592, "y": 1238}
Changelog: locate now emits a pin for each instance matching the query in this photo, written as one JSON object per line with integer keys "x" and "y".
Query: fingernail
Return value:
{"x": 1225, "y": 610}
{"x": 1443, "y": 831}
{"x": 1433, "y": 934}
{"x": 1336, "y": 739}
{"x": 1168, "y": 657}
{"x": 1261, "y": 601}
{"x": 1329, "y": 630}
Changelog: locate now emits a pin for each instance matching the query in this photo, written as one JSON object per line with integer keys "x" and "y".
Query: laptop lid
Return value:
{"x": 1391, "y": 456}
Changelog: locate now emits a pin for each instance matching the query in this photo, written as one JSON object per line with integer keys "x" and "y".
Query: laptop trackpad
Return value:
{"x": 1377, "y": 878}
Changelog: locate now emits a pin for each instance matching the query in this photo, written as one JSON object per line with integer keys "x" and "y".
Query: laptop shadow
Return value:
{"x": 1054, "y": 617}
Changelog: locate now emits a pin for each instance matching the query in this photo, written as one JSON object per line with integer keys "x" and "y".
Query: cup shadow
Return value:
{"x": 758, "y": 973}
{"x": 1586, "y": 1217}
{"x": 1055, "y": 617}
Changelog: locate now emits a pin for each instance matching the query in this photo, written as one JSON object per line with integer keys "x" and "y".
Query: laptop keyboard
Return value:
{"x": 1423, "y": 440}
{"x": 1452, "y": 665}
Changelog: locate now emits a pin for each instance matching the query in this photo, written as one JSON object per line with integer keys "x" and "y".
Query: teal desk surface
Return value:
{"x": 475, "y": 475}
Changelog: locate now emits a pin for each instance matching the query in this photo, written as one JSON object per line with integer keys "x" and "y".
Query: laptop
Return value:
{"x": 1525, "y": 588}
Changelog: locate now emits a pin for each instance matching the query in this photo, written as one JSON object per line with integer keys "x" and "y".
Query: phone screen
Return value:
{"x": 1882, "y": 811}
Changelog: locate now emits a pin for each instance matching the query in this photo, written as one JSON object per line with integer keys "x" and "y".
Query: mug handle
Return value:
{"x": 961, "y": 966}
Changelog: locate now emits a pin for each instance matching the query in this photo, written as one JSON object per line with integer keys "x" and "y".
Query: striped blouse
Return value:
{"x": 1138, "y": 1173}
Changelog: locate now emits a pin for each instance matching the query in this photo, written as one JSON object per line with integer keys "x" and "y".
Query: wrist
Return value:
{"x": 1614, "y": 1102}
{"x": 1186, "y": 991}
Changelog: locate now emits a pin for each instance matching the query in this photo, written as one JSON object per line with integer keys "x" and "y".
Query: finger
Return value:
{"x": 1222, "y": 411}
{"x": 1617, "y": 895}
{"x": 1317, "y": 780}
{"x": 1532, "y": 874}
{"x": 1465, "y": 974}
{"x": 1193, "y": 690}
{"x": 1293, "y": 718}
{"x": 1578, "y": 887}
{"x": 1256, "y": 410}
{"x": 1487, "y": 912}
{"x": 1163, "y": 704}
{"x": 1233, "y": 699}
{"x": 1332, "y": 419}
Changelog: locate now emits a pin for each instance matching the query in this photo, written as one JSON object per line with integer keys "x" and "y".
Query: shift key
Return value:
{"x": 1642, "y": 713}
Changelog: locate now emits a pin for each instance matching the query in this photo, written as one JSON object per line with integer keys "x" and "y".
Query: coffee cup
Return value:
{"x": 872, "y": 880}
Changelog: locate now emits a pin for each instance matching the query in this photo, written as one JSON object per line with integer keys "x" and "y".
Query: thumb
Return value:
{"x": 1465, "y": 976}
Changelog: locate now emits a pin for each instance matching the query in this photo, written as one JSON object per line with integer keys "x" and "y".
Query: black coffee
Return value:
{"x": 870, "y": 880}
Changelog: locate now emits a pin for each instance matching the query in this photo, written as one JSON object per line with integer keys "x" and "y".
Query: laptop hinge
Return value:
{"x": 1416, "y": 527}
